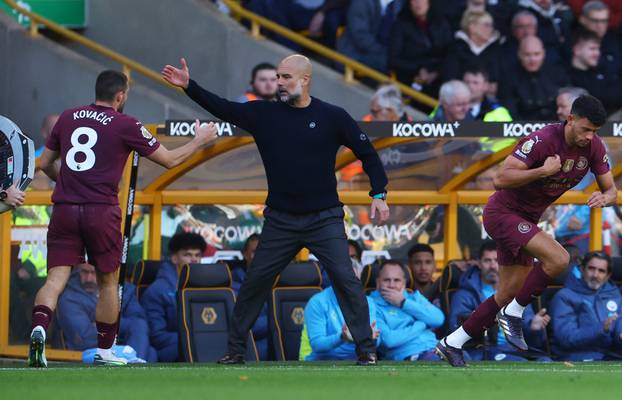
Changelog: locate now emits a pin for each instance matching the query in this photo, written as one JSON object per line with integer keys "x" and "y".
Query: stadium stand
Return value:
{"x": 143, "y": 274}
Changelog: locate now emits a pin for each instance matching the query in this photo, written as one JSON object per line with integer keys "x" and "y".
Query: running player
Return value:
{"x": 93, "y": 143}
{"x": 541, "y": 168}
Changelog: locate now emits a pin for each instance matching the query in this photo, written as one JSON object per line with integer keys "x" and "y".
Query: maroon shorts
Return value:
{"x": 511, "y": 232}
{"x": 76, "y": 229}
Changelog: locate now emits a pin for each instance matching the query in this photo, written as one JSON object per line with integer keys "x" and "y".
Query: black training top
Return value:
{"x": 298, "y": 147}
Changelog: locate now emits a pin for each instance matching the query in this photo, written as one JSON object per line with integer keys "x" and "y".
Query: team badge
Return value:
{"x": 363, "y": 137}
{"x": 524, "y": 227}
{"x": 527, "y": 146}
{"x": 582, "y": 163}
{"x": 568, "y": 164}
{"x": 312, "y": 125}
{"x": 612, "y": 306}
{"x": 146, "y": 134}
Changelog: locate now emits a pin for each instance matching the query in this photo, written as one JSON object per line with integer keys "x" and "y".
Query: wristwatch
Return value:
{"x": 381, "y": 196}
{"x": 3, "y": 195}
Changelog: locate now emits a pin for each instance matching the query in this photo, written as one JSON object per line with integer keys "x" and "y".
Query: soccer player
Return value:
{"x": 541, "y": 168}
{"x": 298, "y": 138}
{"x": 93, "y": 143}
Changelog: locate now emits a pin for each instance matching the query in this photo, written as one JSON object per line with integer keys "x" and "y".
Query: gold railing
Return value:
{"x": 351, "y": 67}
{"x": 127, "y": 64}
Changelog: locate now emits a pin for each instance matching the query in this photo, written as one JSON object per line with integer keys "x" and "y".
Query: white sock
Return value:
{"x": 105, "y": 353}
{"x": 514, "y": 309}
{"x": 458, "y": 338}
{"x": 40, "y": 328}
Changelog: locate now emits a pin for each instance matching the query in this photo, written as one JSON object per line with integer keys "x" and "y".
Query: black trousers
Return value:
{"x": 283, "y": 236}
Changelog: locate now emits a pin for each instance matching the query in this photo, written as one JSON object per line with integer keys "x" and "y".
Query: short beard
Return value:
{"x": 593, "y": 284}
{"x": 290, "y": 99}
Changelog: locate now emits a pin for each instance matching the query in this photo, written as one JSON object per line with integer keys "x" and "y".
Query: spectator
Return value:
{"x": 574, "y": 264}
{"x": 325, "y": 335}
{"x": 614, "y": 6}
{"x": 476, "y": 285}
{"x": 554, "y": 21}
{"x": 320, "y": 18}
{"x": 368, "y": 30}
{"x": 524, "y": 24}
{"x": 483, "y": 107}
{"x": 454, "y": 99}
{"x": 595, "y": 16}
{"x": 406, "y": 320}
{"x": 263, "y": 84}
{"x": 160, "y": 298}
{"x": 584, "y": 71}
{"x": 387, "y": 105}
{"x": 565, "y": 97}
{"x": 239, "y": 269}
{"x": 419, "y": 41}
{"x": 476, "y": 43}
{"x": 422, "y": 267}
{"x": 356, "y": 252}
{"x": 529, "y": 91}
{"x": 76, "y": 315}
{"x": 585, "y": 313}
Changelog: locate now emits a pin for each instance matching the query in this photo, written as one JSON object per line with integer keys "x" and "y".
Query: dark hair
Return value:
{"x": 477, "y": 69}
{"x": 597, "y": 254}
{"x": 393, "y": 262}
{"x": 420, "y": 248}
{"x": 589, "y": 107}
{"x": 260, "y": 67}
{"x": 488, "y": 245}
{"x": 185, "y": 241}
{"x": 357, "y": 247}
{"x": 585, "y": 35}
{"x": 252, "y": 237}
{"x": 108, "y": 84}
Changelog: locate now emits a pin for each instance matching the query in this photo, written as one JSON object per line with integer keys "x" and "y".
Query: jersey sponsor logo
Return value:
{"x": 568, "y": 164}
{"x": 518, "y": 130}
{"x": 424, "y": 129}
{"x": 520, "y": 153}
{"x": 187, "y": 129}
{"x": 524, "y": 227}
{"x": 582, "y": 163}
{"x": 102, "y": 117}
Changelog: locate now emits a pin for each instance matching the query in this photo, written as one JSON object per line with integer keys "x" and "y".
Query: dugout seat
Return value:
{"x": 291, "y": 291}
{"x": 616, "y": 271}
{"x": 205, "y": 304}
{"x": 143, "y": 275}
{"x": 370, "y": 273}
{"x": 544, "y": 300}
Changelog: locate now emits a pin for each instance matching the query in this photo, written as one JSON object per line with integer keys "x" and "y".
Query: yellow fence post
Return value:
{"x": 155, "y": 228}
{"x": 451, "y": 228}
{"x": 5, "y": 277}
{"x": 255, "y": 30}
{"x": 596, "y": 229}
{"x": 349, "y": 74}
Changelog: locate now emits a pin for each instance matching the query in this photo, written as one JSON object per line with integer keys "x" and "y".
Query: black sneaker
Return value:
{"x": 36, "y": 354}
{"x": 231, "y": 359}
{"x": 367, "y": 359}
{"x": 453, "y": 355}
{"x": 512, "y": 328}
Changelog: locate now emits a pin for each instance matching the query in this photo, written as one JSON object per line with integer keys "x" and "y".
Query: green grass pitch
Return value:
{"x": 318, "y": 381}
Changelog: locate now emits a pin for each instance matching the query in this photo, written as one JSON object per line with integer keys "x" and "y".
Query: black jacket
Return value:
{"x": 460, "y": 55}
{"x": 412, "y": 48}
{"x": 604, "y": 86}
{"x": 531, "y": 96}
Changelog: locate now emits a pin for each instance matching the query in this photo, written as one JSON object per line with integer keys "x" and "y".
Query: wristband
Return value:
{"x": 380, "y": 196}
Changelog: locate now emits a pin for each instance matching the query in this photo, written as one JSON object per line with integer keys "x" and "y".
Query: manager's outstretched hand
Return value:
{"x": 176, "y": 76}
{"x": 380, "y": 206}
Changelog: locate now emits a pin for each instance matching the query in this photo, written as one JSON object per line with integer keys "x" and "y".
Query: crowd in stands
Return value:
{"x": 526, "y": 50}
{"x": 408, "y": 309}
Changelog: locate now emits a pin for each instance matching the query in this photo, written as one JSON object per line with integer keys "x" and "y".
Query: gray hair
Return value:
{"x": 593, "y": 5}
{"x": 451, "y": 89}
{"x": 573, "y": 92}
{"x": 389, "y": 96}
{"x": 524, "y": 13}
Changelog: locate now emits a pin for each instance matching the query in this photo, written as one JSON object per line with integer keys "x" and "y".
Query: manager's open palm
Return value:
{"x": 177, "y": 76}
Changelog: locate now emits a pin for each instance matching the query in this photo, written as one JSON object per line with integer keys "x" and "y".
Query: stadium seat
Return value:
{"x": 292, "y": 289}
{"x": 616, "y": 273}
{"x": 448, "y": 285}
{"x": 545, "y": 298}
{"x": 143, "y": 275}
{"x": 205, "y": 304}
{"x": 370, "y": 272}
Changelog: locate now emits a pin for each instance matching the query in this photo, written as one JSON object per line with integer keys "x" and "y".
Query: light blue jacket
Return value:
{"x": 323, "y": 323}
{"x": 407, "y": 331}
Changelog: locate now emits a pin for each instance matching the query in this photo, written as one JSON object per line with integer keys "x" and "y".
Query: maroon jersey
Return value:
{"x": 94, "y": 143}
{"x": 533, "y": 198}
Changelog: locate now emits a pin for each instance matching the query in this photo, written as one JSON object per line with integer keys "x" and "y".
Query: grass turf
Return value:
{"x": 318, "y": 381}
